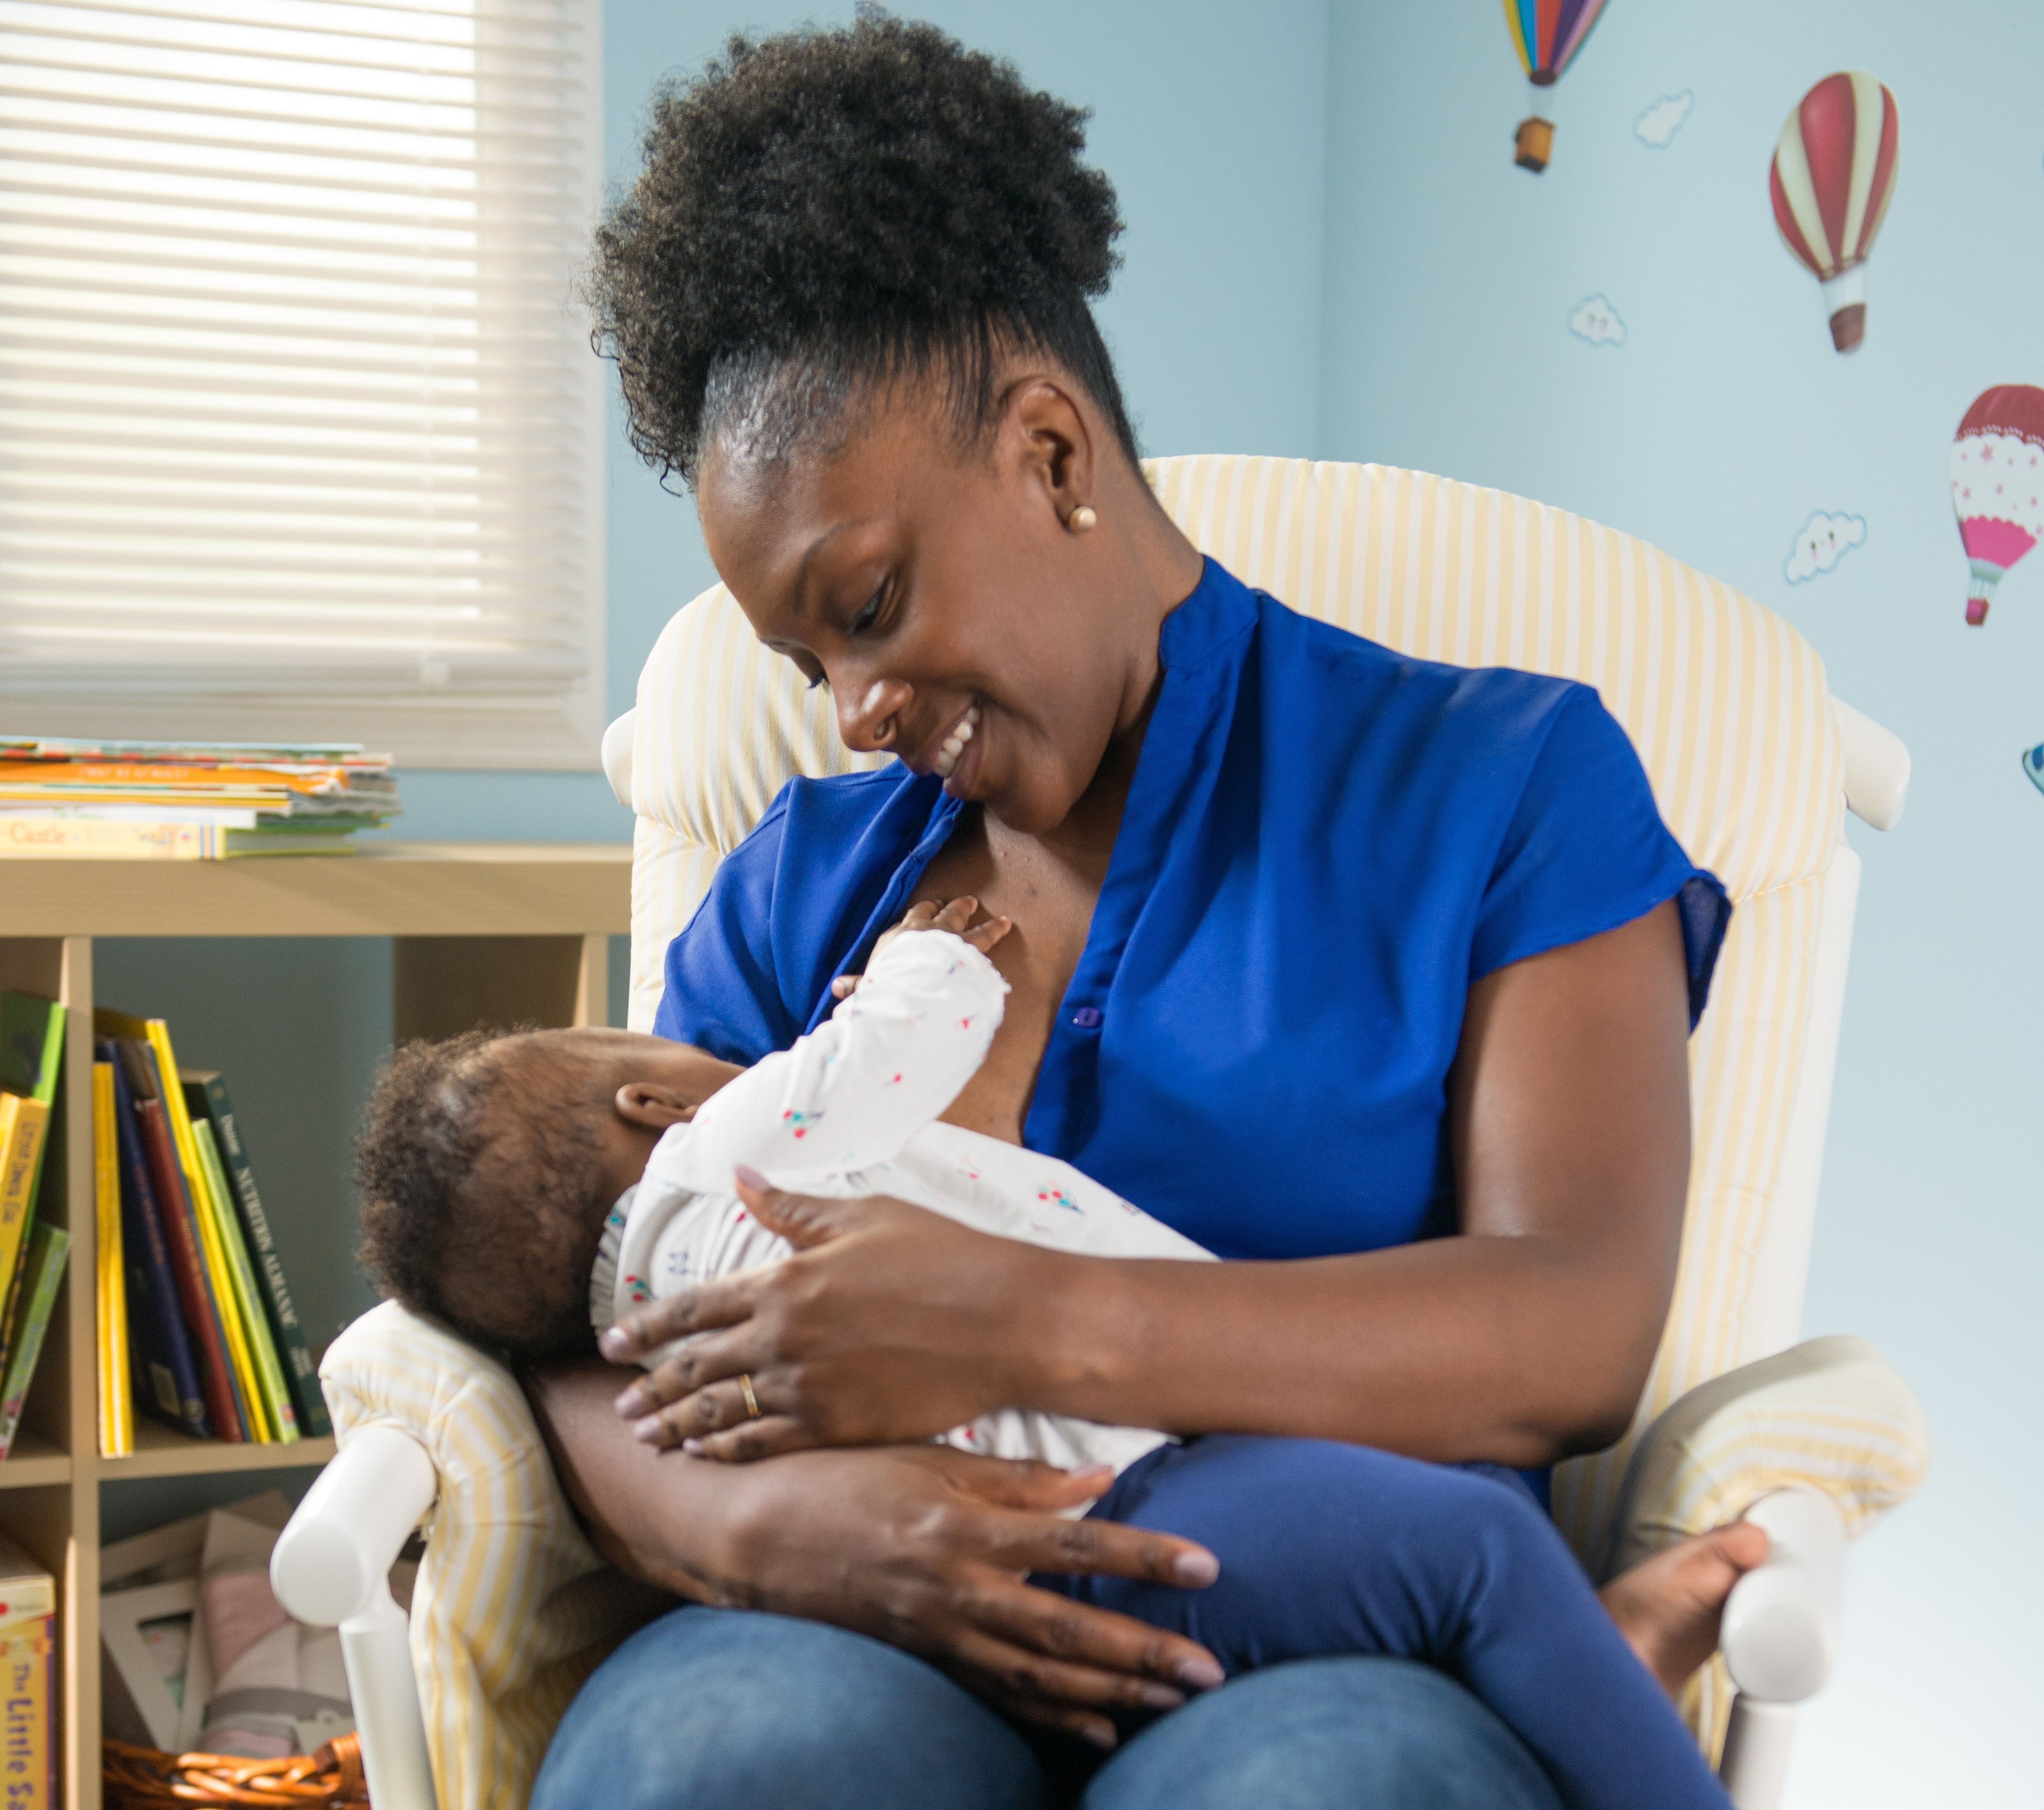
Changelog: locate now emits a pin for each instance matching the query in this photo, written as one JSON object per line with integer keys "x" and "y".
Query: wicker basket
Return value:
{"x": 140, "y": 1778}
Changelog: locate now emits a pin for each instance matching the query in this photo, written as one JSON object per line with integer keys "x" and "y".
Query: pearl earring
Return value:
{"x": 1080, "y": 520}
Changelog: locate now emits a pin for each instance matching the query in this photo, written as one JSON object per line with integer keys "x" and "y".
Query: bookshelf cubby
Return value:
{"x": 493, "y": 933}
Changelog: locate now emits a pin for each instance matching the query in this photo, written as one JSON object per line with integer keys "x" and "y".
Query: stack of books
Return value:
{"x": 195, "y": 1323}
{"x": 188, "y": 801}
{"x": 31, "y": 1254}
{"x": 193, "y": 1301}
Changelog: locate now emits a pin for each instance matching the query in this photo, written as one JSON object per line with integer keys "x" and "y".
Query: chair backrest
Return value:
{"x": 1726, "y": 703}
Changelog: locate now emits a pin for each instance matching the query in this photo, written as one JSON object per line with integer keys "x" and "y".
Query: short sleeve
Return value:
{"x": 721, "y": 995}
{"x": 1585, "y": 851}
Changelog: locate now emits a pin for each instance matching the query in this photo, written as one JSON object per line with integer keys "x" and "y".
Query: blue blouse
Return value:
{"x": 1325, "y": 844}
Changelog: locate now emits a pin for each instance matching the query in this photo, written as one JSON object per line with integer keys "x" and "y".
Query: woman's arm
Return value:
{"x": 1524, "y": 1340}
{"x": 922, "y": 1547}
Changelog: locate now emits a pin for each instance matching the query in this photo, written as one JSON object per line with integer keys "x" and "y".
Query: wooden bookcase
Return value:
{"x": 484, "y": 933}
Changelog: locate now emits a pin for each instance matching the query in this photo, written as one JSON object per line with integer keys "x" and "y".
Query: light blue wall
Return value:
{"x": 1722, "y": 421}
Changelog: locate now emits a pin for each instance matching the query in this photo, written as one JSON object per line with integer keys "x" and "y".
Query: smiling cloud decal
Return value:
{"x": 1596, "y": 320}
{"x": 1664, "y": 119}
{"x": 1820, "y": 543}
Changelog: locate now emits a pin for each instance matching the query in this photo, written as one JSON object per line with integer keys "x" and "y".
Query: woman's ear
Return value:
{"x": 647, "y": 1103}
{"x": 1057, "y": 446}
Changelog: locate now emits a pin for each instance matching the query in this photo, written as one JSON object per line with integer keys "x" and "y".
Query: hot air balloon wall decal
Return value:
{"x": 1546, "y": 34}
{"x": 1831, "y": 180}
{"x": 1998, "y": 486}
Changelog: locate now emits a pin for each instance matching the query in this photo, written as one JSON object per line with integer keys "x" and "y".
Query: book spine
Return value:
{"x": 241, "y": 1375}
{"x": 47, "y": 1065}
{"x": 174, "y": 1212}
{"x": 44, "y": 1266}
{"x": 292, "y": 1350}
{"x": 220, "y": 1285}
{"x": 62, "y": 839}
{"x": 28, "y": 1703}
{"x": 23, "y": 1121}
{"x": 167, "y": 1374}
{"x": 117, "y": 1426}
{"x": 276, "y": 1393}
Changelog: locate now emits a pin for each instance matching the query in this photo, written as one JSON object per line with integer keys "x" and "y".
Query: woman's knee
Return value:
{"x": 714, "y": 1709}
{"x": 1348, "y": 1733}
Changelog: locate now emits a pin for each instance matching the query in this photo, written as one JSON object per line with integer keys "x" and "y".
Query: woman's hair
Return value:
{"x": 479, "y": 1169}
{"x": 822, "y": 211}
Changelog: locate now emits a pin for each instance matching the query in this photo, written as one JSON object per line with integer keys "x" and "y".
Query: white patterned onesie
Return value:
{"x": 851, "y": 1109}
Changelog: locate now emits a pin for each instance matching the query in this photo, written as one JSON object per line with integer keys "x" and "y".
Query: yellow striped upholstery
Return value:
{"x": 512, "y": 1609}
{"x": 1729, "y": 708}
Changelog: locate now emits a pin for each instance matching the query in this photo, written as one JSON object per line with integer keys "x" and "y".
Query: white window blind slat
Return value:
{"x": 300, "y": 436}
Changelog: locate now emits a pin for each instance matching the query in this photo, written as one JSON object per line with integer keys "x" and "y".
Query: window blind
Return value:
{"x": 301, "y": 436}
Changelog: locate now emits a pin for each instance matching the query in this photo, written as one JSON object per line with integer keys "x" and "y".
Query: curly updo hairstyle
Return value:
{"x": 825, "y": 210}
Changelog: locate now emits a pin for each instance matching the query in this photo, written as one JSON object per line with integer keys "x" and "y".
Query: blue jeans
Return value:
{"x": 721, "y": 1709}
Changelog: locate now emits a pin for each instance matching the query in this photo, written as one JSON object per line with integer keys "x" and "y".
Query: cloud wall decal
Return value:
{"x": 1664, "y": 119}
{"x": 1596, "y": 320}
{"x": 1820, "y": 543}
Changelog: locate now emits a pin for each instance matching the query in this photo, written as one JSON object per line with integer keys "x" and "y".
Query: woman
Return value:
{"x": 1374, "y": 975}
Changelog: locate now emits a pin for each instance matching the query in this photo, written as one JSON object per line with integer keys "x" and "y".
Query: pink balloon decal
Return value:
{"x": 1998, "y": 486}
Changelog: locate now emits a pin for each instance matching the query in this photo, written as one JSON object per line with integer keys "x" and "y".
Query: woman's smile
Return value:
{"x": 950, "y": 763}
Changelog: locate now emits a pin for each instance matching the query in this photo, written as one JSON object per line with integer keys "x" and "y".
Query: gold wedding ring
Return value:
{"x": 752, "y": 1401}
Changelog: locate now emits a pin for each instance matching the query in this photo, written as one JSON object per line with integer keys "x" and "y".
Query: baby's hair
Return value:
{"x": 479, "y": 1165}
{"x": 823, "y": 210}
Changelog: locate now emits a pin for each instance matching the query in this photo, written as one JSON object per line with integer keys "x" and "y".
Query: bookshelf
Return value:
{"x": 483, "y": 933}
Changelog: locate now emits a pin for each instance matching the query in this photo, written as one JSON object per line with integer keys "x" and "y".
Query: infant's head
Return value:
{"x": 488, "y": 1163}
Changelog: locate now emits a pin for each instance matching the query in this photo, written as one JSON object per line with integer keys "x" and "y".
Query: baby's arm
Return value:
{"x": 893, "y": 1055}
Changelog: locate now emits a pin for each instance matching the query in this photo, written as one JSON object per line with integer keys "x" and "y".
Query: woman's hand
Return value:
{"x": 920, "y": 1545}
{"x": 887, "y": 1324}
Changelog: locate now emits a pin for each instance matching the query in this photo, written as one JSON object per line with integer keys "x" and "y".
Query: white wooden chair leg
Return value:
{"x": 331, "y": 1569}
{"x": 1780, "y": 1639}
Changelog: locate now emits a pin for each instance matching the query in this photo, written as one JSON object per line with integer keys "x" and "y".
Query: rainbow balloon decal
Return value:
{"x": 1832, "y": 178}
{"x": 1546, "y": 34}
{"x": 1997, "y": 483}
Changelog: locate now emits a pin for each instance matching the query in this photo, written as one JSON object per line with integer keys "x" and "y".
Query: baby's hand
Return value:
{"x": 957, "y": 918}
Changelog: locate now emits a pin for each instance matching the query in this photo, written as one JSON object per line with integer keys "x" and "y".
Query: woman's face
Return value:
{"x": 937, "y": 588}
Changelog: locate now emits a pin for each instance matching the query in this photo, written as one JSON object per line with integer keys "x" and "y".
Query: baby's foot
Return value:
{"x": 1668, "y": 1607}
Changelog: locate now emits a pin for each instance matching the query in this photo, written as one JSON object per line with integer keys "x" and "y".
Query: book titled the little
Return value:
{"x": 27, "y": 1682}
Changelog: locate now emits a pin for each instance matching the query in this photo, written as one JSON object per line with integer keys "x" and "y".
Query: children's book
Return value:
{"x": 23, "y": 1123}
{"x": 29, "y": 1743}
{"x": 31, "y": 1055}
{"x": 198, "y": 1190}
{"x": 292, "y": 1350}
{"x": 115, "y": 1399}
{"x": 176, "y": 1214}
{"x": 167, "y": 1371}
{"x": 278, "y": 1409}
{"x": 31, "y": 1045}
{"x": 42, "y": 1268}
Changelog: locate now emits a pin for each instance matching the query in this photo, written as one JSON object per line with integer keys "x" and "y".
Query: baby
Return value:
{"x": 529, "y": 1189}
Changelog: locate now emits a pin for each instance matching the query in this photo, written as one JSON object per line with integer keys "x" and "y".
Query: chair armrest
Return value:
{"x": 1816, "y": 1443}
{"x": 330, "y": 1568}
{"x": 1829, "y": 1414}
{"x": 1779, "y": 1635}
{"x": 512, "y": 1608}
{"x": 336, "y": 1555}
